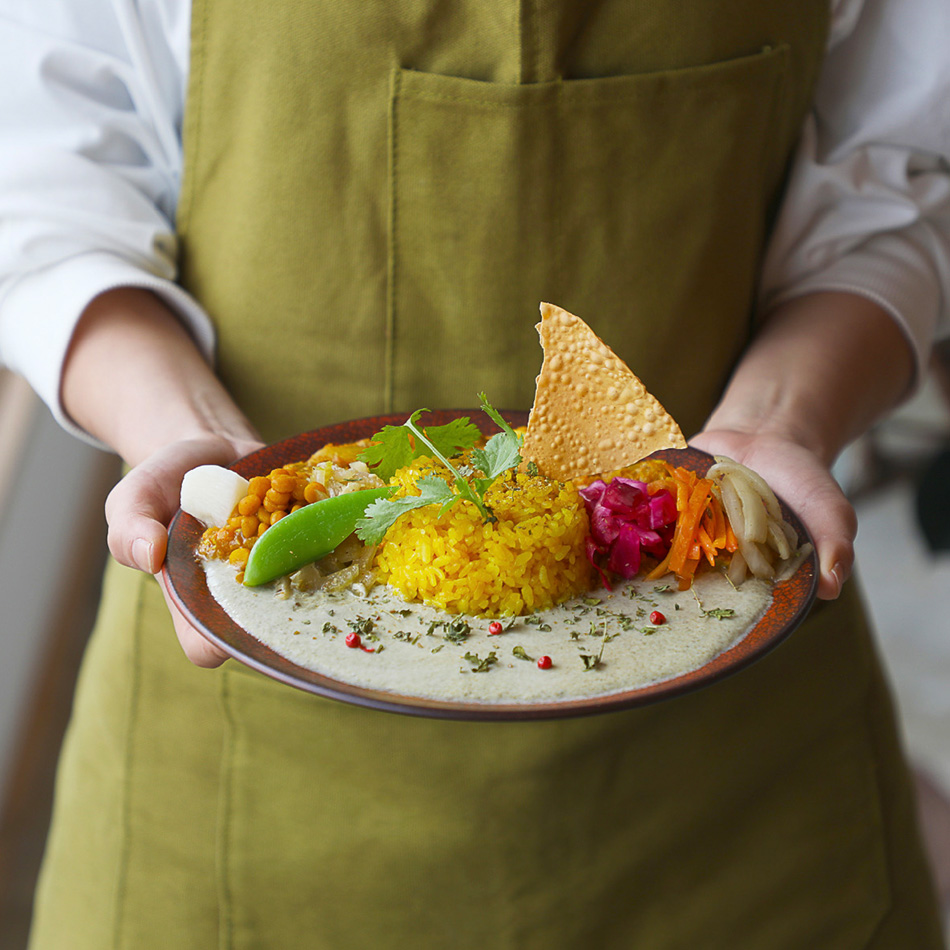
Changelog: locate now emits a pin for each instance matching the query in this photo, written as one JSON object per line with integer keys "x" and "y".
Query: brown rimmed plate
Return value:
{"x": 186, "y": 581}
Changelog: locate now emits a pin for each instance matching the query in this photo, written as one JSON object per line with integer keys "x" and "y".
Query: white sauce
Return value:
{"x": 310, "y": 630}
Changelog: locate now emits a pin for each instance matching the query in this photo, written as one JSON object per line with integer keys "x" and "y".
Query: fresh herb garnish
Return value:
{"x": 383, "y": 513}
{"x": 502, "y": 451}
{"x": 519, "y": 652}
{"x": 394, "y": 447}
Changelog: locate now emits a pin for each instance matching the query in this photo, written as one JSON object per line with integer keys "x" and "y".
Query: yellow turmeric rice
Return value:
{"x": 532, "y": 557}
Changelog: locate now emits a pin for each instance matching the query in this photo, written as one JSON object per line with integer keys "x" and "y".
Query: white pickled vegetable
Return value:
{"x": 737, "y": 569}
{"x": 767, "y": 543}
{"x": 778, "y": 541}
{"x": 210, "y": 492}
{"x": 727, "y": 466}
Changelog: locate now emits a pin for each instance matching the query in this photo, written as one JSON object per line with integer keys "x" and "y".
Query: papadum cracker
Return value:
{"x": 590, "y": 413}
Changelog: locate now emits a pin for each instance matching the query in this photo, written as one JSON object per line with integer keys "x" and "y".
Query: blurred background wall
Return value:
{"x": 52, "y": 548}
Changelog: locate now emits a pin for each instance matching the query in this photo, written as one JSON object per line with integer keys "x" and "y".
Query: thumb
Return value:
{"x": 137, "y": 511}
{"x": 142, "y": 504}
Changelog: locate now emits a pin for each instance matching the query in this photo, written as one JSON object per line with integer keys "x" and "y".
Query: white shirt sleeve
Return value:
{"x": 91, "y": 96}
{"x": 867, "y": 208}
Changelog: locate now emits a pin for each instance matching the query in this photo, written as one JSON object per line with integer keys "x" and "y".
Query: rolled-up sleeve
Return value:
{"x": 867, "y": 208}
{"x": 90, "y": 165}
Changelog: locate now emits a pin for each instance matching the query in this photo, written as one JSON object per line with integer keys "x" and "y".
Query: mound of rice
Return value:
{"x": 531, "y": 558}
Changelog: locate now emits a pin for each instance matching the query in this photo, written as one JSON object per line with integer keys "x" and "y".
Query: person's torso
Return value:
{"x": 377, "y": 195}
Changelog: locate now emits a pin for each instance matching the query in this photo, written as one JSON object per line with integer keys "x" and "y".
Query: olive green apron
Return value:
{"x": 377, "y": 195}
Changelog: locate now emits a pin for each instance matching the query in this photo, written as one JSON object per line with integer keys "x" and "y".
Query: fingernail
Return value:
{"x": 837, "y": 572}
{"x": 142, "y": 554}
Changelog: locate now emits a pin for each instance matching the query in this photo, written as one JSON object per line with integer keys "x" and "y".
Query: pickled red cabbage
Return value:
{"x": 626, "y": 521}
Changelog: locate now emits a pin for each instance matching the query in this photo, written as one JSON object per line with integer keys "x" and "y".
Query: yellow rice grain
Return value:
{"x": 531, "y": 558}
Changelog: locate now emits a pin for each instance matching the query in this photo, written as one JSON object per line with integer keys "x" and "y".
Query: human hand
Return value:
{"x": 821, "y": 369}
{"x": 802, "y": 480}
{"x": 140, "y": 507}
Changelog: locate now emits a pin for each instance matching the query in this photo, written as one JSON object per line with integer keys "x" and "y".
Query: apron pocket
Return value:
{"x": 639, "y": 202}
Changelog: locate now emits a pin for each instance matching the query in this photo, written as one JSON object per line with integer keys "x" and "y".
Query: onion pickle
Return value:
{"x": 306, "y": 535}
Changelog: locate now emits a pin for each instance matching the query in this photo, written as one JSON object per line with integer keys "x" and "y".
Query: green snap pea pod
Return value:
{"x": 306, "y": 535}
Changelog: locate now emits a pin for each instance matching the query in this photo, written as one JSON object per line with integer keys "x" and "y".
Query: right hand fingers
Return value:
{"x": 200, "y": 651}
{"x": 141, "y": 505}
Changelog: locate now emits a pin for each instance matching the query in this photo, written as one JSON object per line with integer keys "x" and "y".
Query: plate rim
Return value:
{"x": 183, "y": 575}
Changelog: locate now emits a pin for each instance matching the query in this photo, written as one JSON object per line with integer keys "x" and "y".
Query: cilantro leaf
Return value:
{"x": 393, "y": 447}
{"x": 382, "y": 514}
{"x": 500, "y": 453}
{"x": 389, "y": 450}
{"x": 498, "y": 419}
{"x": 453, "y": 437}
{"x": 502, "y": 450}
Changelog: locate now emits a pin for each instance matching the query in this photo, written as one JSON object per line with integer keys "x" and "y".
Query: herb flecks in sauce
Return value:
{"x": 436, "y": 667}
{"x": 480, "y": 665}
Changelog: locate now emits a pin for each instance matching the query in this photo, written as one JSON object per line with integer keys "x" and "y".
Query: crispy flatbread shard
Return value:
{"x": 590, "y": 414}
